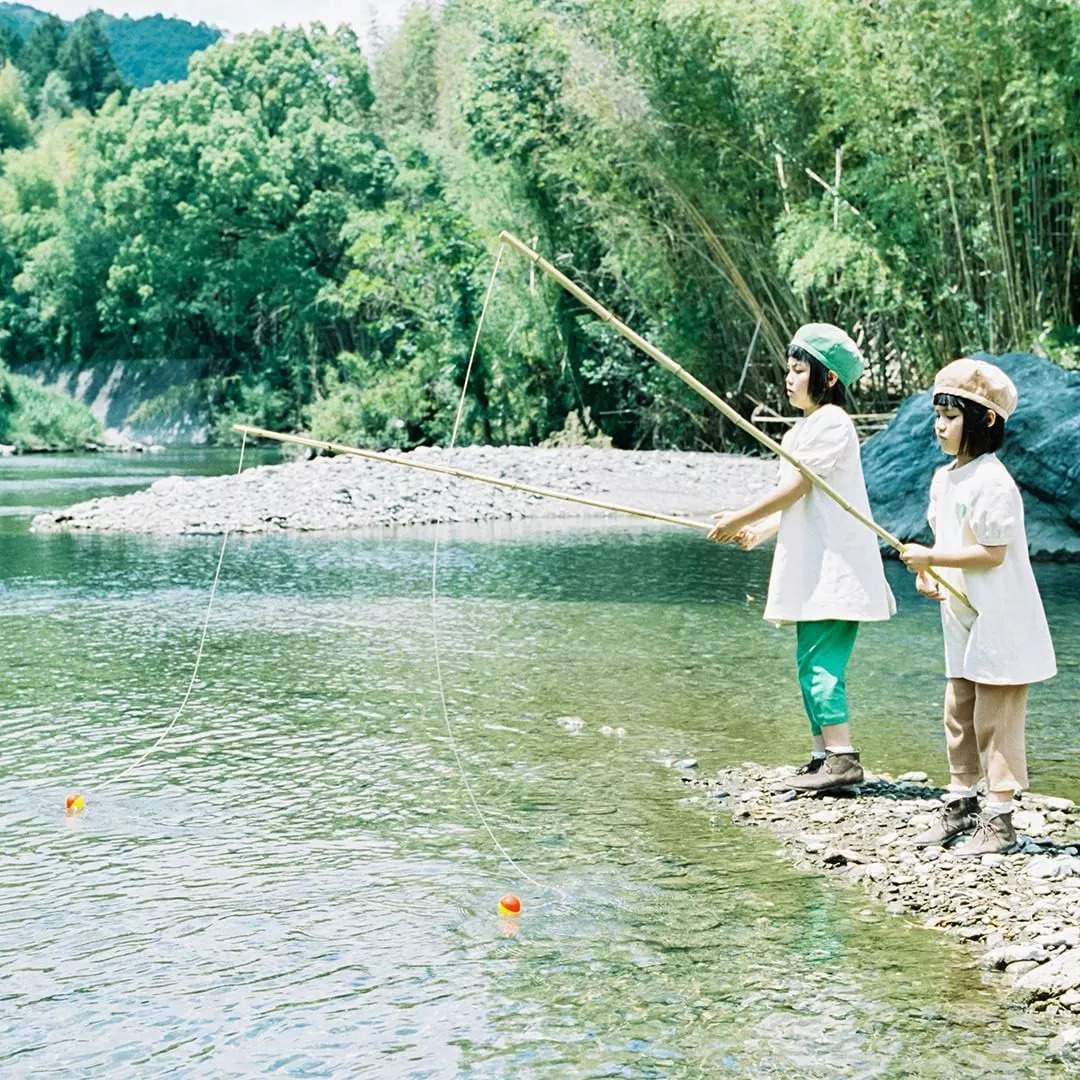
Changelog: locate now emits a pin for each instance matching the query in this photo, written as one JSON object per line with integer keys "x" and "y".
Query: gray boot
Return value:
{"x": 994, "y": 835}
{"x": 838, "y": 771}
{"x": 956, "y": 817}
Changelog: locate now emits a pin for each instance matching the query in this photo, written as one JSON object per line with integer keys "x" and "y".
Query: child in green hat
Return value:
{"x": 827, "y": 575}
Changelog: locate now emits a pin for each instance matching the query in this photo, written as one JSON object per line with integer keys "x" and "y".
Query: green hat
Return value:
{"x": 833, "y": 348}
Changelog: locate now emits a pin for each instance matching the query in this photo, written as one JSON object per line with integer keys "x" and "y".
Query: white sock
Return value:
{"x": 995, "y": 808}
{"x": 817, "y": 755}
{"x": 841, "y": 749}
{"x": 954, "y": 793}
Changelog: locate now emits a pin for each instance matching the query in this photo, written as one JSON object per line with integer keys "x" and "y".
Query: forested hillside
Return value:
{"x": 304, "y": 233}
{"x": 146, "y": 50}
{"x": 155, "y": 48}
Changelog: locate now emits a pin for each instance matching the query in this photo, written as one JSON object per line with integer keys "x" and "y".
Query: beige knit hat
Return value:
{"x": 978, "y": 380}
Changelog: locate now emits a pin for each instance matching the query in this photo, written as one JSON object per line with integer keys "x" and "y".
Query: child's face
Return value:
{"x": 797, "y": 384}
{"x": 949, "y": 429}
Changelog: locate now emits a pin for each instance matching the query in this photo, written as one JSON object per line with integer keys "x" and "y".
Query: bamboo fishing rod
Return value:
{"x": 461, "y": 474}
{"x": 713, "y": 398}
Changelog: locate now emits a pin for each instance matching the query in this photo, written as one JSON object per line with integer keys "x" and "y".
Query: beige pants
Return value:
{"x": 984, "y": 733}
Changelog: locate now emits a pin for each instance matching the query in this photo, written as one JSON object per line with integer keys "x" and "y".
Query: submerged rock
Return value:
{"x": 1067, "y": 1045}
{"x": 1042, "y": 451}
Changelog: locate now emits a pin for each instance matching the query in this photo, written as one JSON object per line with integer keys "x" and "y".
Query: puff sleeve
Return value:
{"x": 828, "y": 441}
{"x": 995, "y": 514}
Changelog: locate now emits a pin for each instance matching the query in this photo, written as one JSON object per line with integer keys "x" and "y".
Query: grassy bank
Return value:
{"x": 33, "y": 418}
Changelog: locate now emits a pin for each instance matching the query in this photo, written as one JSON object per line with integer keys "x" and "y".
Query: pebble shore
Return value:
{"x": 348, "y": 493}
{"x": 1021, "y": 910}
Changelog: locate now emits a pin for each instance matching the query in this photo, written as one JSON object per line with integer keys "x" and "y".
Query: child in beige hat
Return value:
{"x": 994, "y": 652}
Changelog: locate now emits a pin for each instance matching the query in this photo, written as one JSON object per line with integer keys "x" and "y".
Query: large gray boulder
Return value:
{"x": 1042, "y": 451}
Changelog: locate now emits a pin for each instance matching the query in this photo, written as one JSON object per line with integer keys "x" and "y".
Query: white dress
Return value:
{"x": 827, "y": 564}
{"x": 1008, "y": 642}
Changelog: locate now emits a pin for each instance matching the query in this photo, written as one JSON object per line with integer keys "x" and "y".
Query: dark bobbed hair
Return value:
{"x": 979, "y": 437}
{"x": 821, "y": 393}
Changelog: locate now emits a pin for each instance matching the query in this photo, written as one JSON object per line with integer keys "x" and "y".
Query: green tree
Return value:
{"x": 15, "y": 131}
{"x": 208, "y": 216}
{"x": 11, "y": 45}
{"x": 86, "y": 63}
{"x": 41, "y": 52}
{"x": 405, "y": 76}
{"x": 411, "y": 297}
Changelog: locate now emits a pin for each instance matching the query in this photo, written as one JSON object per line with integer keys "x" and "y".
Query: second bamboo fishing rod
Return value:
{"x": 713, "y": 398}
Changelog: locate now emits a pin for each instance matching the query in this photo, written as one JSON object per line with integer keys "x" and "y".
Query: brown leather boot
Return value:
{"x": 956, "y": 817}
{"x": 994, "y": 835}
{"x": 838, "y": 771}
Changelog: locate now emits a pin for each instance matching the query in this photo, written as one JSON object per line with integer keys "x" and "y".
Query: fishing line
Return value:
{"x": 435, "y": 606}
{"x": 198, "y": 655}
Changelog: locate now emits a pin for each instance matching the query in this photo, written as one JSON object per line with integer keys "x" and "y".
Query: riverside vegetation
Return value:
{"x": 298, "y": 234}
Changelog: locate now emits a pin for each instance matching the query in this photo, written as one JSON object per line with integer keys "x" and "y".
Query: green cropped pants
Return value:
{"x": 822, "y": 650}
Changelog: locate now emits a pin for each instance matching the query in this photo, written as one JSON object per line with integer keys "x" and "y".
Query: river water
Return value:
{"x": 297, "y": 883}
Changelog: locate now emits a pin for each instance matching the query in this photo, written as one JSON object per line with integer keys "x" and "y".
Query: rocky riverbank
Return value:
{"x": 1020, "y": 910}
{"x": 343, "y": 493}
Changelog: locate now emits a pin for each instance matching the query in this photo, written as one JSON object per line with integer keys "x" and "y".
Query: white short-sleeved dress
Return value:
{"x": 826, "y": 564}
{"x": 1008, "y": 642}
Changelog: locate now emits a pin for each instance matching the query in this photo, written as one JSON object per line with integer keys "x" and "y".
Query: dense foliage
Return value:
{"x": 307, "y": 241}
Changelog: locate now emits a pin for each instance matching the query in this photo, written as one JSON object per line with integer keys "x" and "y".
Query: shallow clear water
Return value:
{"x": 297, "y": 884}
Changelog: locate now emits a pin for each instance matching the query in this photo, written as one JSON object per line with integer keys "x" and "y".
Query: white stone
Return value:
{"x": 1049, "y": 980}
{"x": 1052, "y": 802}
{"x": 1065, "y": 939}
{"x": 994, "y": 859}
{"x": 877, "y": 871}
{"x": 923, "y": 821}
{"x": 1066, "y": 1044}
{"x": 914, "y": 777}
{"x": 1029, "y": 821}
{"x": 1021, "y": 967}
{"x": 1049, "y": 869}
{"x": 1043, "y": 867}
{"x": 1014, "y": 954}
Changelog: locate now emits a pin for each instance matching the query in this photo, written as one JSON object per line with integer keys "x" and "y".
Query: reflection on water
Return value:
{"x": 296, "y": 883}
